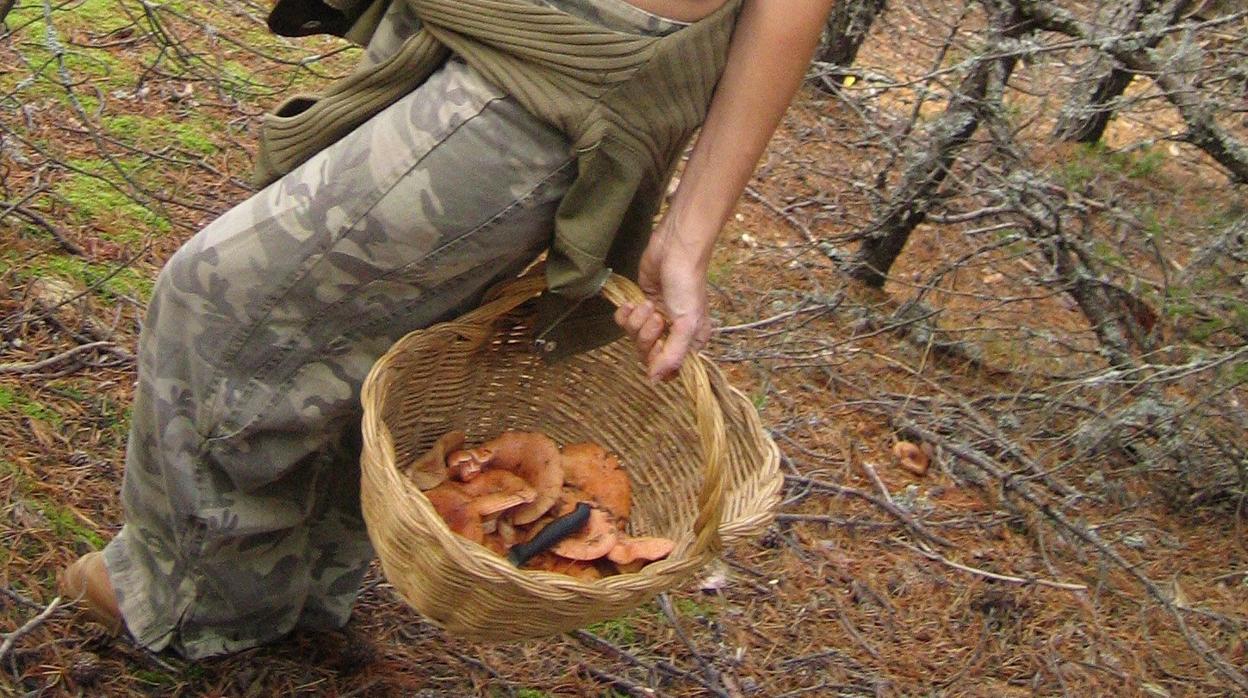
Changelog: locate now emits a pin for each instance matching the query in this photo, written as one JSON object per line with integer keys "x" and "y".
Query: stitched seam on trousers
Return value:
{"x": 355, "y": 293}
{"x": 254, "y": 383}
{"x": 452, "y": 244}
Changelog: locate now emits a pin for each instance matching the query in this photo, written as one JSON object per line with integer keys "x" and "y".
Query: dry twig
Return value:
{"x": 11, "y": 638}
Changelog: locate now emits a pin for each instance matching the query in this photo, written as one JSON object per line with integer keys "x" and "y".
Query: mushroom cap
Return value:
{"x": 534, "y": 457}
{"x": 911, "y": 457}
{"x": 429, "y": 470}
{"x": 593, "y": 541}
{"x": 463, "y": 465}
{"x": 465, "y": 512}
{"x": 550, "y": 562}
{"x": 644, "y": 549}
{"x": 496, "y": 503}
{"x": 456, "y": 510}
{"x": 629, "y": 567}
{"x": 498, "y": 482}
{"x": 591, "y": 468}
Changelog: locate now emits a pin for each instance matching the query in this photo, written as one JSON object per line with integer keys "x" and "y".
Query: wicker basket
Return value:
{"x": 703, "y": 470}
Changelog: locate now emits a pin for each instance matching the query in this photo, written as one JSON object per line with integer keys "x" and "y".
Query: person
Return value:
{"x": 241, "y": 489}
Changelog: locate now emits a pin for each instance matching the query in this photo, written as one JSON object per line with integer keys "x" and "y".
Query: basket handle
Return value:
{"x": 693, "y": 377}
{"x": 710, "y": 420}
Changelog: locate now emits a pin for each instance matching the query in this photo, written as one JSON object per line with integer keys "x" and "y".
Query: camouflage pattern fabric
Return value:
{"x": 241, "y": 486}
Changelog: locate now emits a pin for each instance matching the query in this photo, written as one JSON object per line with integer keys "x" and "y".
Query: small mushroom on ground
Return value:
{"x": 429, "y": 470}
{"x": 534, "y": 457}
{"x": 911, "y": 458}
{"x": 591, "y": 468}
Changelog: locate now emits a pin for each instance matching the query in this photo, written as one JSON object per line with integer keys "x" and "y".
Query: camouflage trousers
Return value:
{"x": 241, "y": 489}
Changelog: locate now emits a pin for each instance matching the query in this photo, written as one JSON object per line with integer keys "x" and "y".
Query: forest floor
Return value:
{"x": 872, "y": 581}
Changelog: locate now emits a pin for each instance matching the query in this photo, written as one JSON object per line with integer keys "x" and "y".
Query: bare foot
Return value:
{"x": 86, "y": 580}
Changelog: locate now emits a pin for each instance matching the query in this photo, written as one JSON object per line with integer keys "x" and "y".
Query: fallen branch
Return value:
{"x": 594, "y": 642}
{"x": 66, "y": 355}
{"x": 991, "y": 575}
{"x": 18, "y": 597}
{"x": 34, "y": 218}
{"x": 11, "y": 638}
{"x": 1204, "y": 131}
{"x": 821, "y": 307}
{"x": 713, "y": 682}
{"x": 886, "y": 503}
{"x": 802, "y": 227}
{"x": 1010, "y": 482}
{"x": 473, "y": 662}
{"x": 901, "y": 514}
{"x": 618, "y": 682}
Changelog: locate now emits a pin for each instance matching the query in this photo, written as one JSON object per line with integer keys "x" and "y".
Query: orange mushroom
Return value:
{"x": 591, "y": 468}
{"x": 594, "y": 540}
{"x": 644, "y": 549}
{"x": 463, "y": 465}
{"x": 911, "y": 458}
{"x": 579, "y": 569}
{"x": 507, "y": 534}
{"x": 498, "y": 481}
{"x": 622, "y": 568}
{"x": 534, "y": 457}
{"x": 495, "y": 543}
{"x": 429, "y": 470}
{"x": 466, "y": 514}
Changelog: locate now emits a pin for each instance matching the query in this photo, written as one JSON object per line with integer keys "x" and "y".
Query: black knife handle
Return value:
{"x": 554, "y": 532}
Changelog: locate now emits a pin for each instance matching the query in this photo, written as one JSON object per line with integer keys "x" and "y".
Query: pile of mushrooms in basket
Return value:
{"x": 541, "y": 507}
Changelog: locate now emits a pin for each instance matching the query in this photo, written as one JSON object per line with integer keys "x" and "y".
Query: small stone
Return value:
{"x": 1135, "y": 540}
{"x": 771, "y": 539}
{"x": 716, "y": 580}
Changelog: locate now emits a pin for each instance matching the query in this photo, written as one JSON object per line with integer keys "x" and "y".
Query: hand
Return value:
{"x": 674, "y": 281}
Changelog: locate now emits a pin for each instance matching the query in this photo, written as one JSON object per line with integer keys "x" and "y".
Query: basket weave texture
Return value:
{"x": 703, "y": 470}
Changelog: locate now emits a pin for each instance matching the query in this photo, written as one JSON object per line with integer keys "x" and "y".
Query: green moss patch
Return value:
{"x": 108, "y": 281}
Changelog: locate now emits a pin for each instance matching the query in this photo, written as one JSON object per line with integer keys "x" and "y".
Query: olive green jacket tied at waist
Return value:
{"x": 628, "y": 103}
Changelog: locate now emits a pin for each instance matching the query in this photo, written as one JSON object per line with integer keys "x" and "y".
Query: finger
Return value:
{"x": 638, "y": 318}
{"x": 675, "y": 346}
{"x": 622, "y": 313}
{"x": 649, "y": 334}
{"x": 702, "y": 336}
{"x": 631, "y": 318}
{"x": 653, "y": 354}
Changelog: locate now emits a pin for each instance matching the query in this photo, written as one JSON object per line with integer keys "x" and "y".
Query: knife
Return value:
{"x": 555, "y": 531}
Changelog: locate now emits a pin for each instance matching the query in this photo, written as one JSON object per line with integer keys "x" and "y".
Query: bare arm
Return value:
{"x": 770, "y": 51}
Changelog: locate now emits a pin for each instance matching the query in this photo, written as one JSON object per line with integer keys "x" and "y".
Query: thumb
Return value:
{"x": 674, "y": 348}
